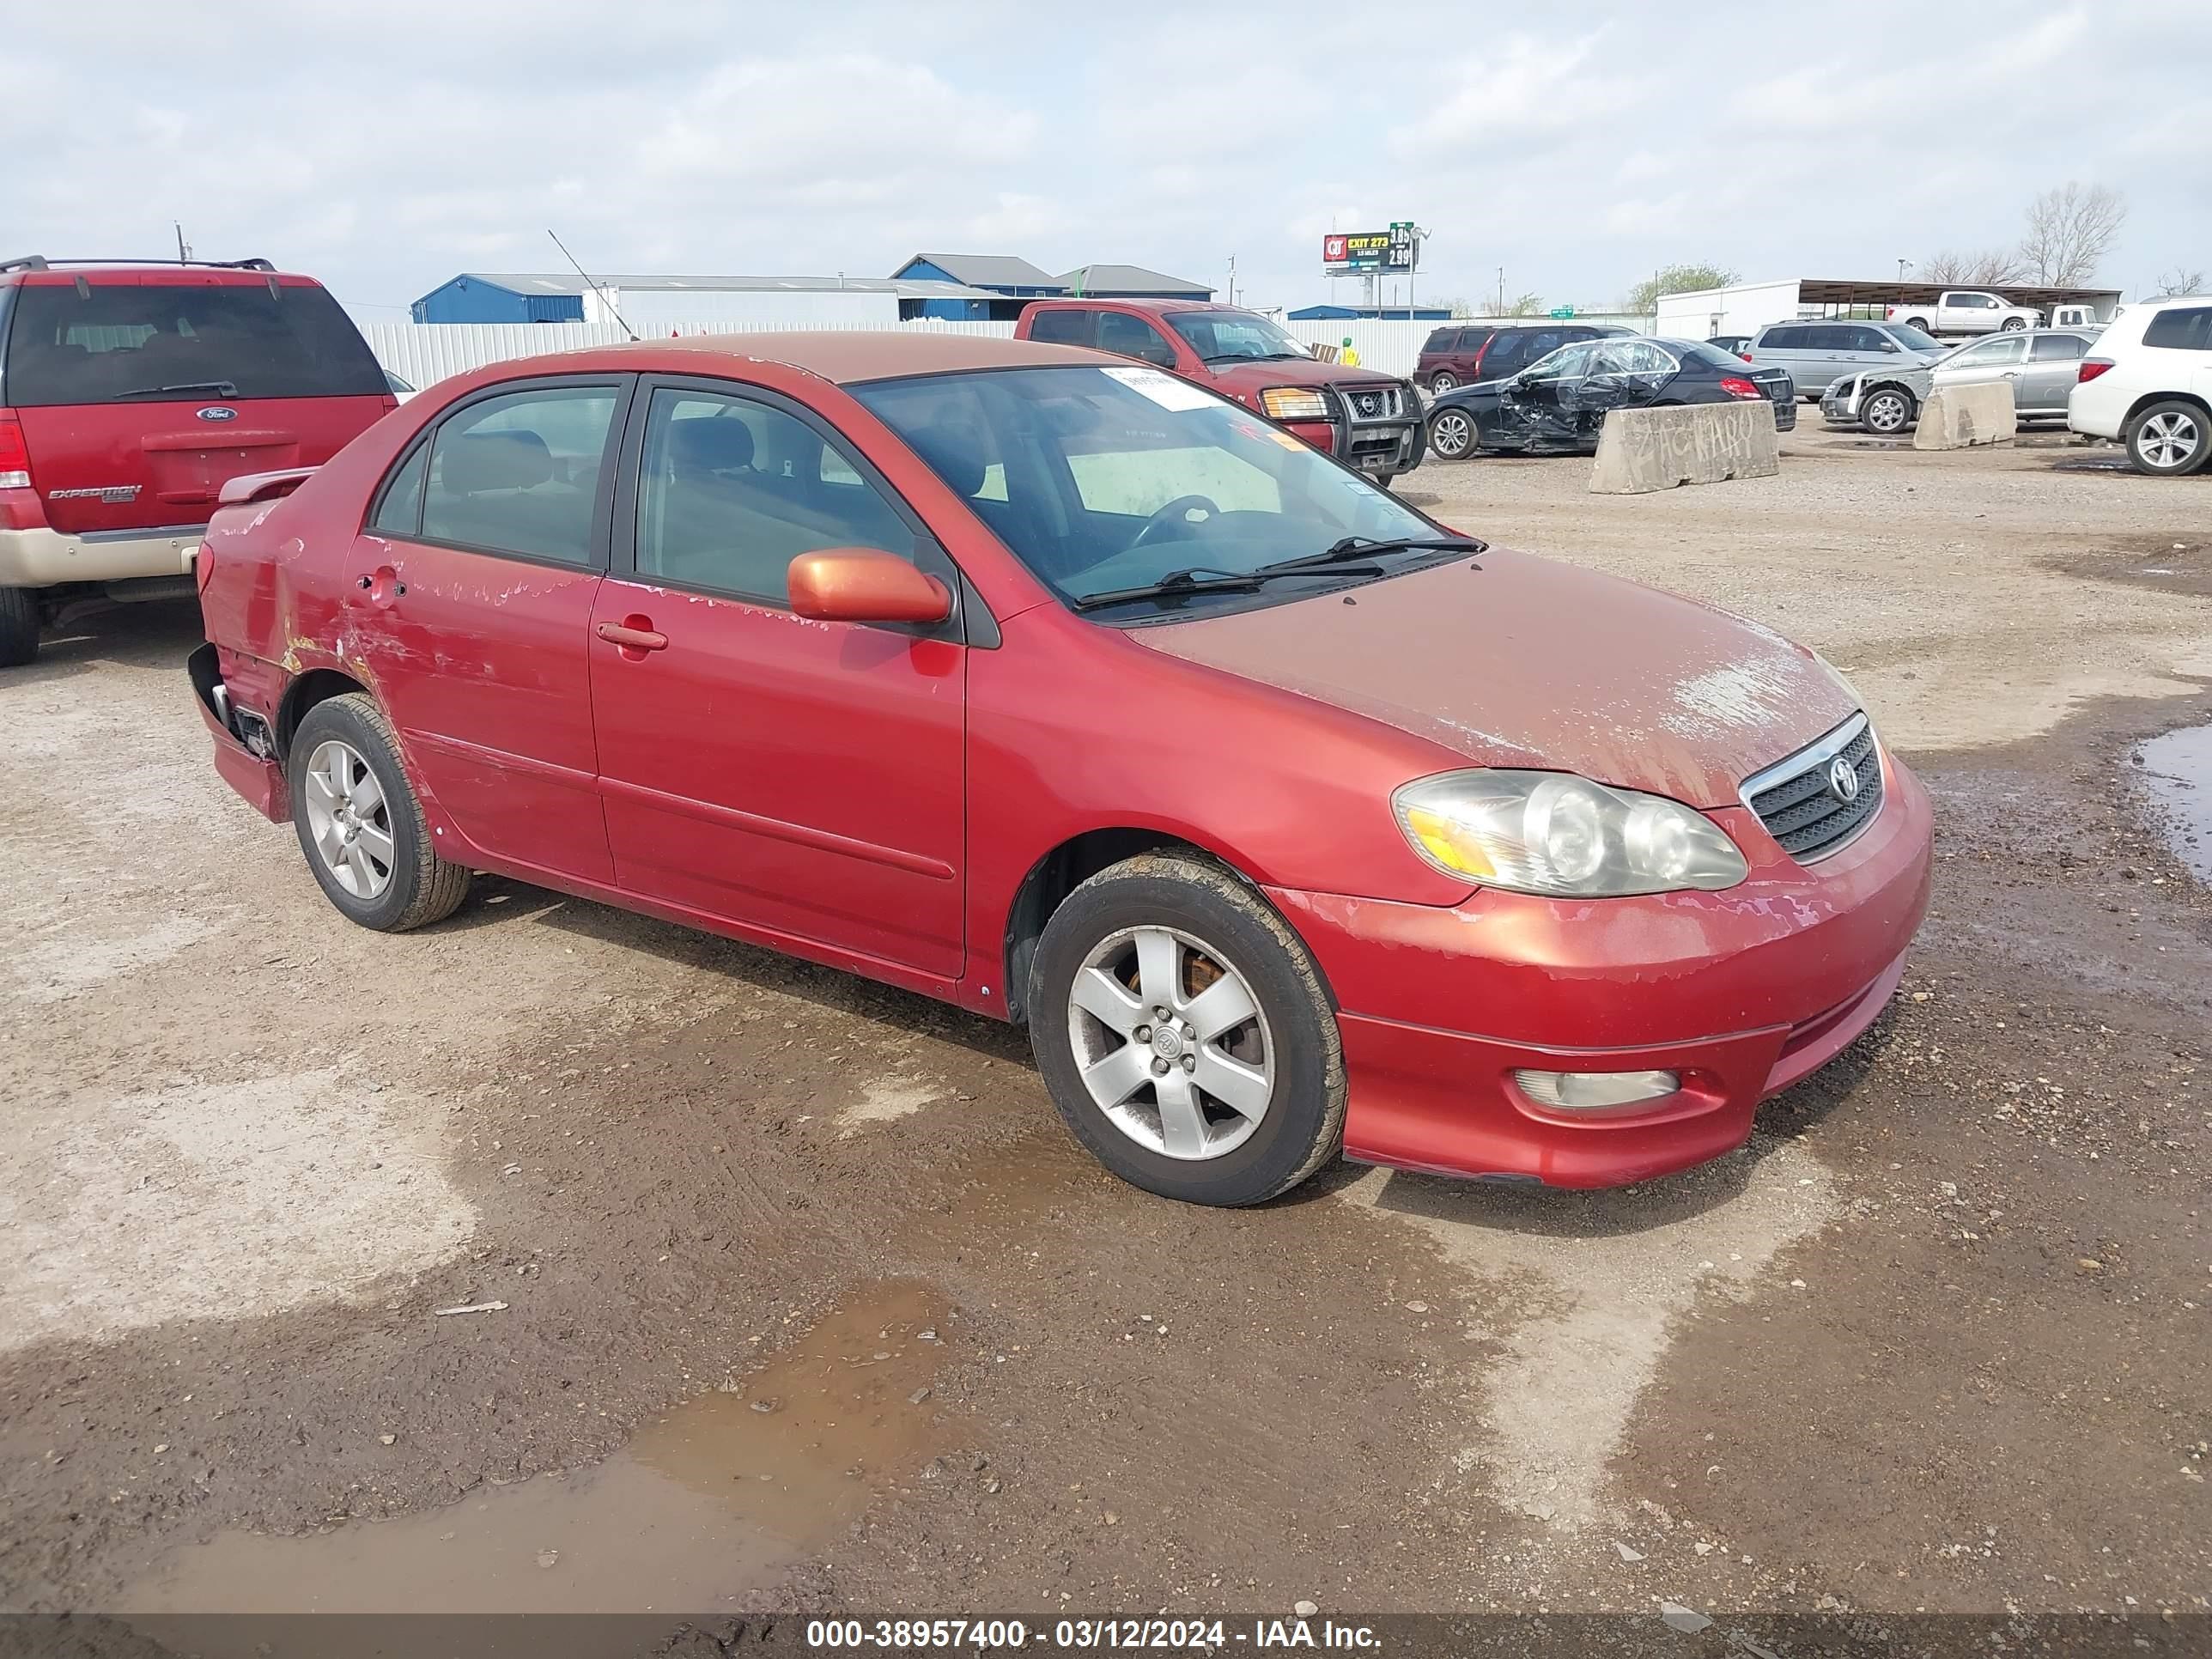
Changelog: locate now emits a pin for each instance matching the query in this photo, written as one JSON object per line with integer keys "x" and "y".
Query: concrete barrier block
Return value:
{"x": 1958, "y": 416}
{"x": 1646, "y": 449}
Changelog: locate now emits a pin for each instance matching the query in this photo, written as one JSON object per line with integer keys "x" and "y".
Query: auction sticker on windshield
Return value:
{"x": 1165, "y": 390}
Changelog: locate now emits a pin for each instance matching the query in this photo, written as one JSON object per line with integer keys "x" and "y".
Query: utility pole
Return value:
{"x": 1500, "y": 312}
{"x": 1903, "y": 265}
{"x": 1232, "y": 279}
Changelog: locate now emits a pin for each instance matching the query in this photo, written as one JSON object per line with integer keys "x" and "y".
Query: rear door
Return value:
{"x": 805, "y": 779}
{"x": 2053, "y": 366}
{"x": 140, "y": 393}
{"x": 469, "y": 599}
{"x": 1986, "y": 363}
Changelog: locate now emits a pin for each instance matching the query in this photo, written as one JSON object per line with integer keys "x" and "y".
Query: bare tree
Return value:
{"x": 1993, "y": 267}
{"x": 1528, "y": 305}
{"x": 1643, "y": 298}
{"x": 2181, "y": 280}
{"x": 2069, "y": 231}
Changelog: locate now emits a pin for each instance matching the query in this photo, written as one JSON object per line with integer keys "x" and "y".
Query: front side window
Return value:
{"x": 1989, "y": 354}
{"x": 732, "y": 490}
{"x": 1567, "y": 363}
{"x": 2180, "y": 328}
{"x": 520, "y": 473}
{"x": 1132, "y": 337}
{"x": 1110, "y": 478}
{"x": 1222, "y": 336}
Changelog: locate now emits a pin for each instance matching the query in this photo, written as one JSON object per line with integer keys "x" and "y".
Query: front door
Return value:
{"x": 806, "y": 779}
{"x": 1538, "y": 404}
{"x": 467, "y": 613}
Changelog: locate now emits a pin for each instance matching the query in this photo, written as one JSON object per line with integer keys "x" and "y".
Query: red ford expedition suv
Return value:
{"x": 130, "y": 394}
{"x": 1365, "y": 419}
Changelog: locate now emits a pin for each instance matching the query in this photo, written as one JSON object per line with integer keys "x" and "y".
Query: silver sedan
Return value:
{"x": 2040, "y": 364}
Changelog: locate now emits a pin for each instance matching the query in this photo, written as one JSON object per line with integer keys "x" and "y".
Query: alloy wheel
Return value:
{"x": 1451, "y": 434}
{"x": 1443, "y": 381}
{"x": 1885, "y": 413}
{"x": 349, "y": 820}
{"x": 1171, "y": 1043}
{"x": 2167, "y": 441}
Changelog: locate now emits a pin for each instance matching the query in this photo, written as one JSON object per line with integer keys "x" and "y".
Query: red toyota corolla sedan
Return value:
{"x": 1288, "y": 820}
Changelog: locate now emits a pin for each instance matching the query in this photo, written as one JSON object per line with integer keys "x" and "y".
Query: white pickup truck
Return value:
{"x": 1965, "y": 311}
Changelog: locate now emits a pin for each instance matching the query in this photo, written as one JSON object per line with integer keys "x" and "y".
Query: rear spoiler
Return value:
{"x": 263, "y": 486}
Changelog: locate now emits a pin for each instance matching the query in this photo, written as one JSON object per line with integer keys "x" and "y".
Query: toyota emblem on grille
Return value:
{"x": 1843, "y": 779}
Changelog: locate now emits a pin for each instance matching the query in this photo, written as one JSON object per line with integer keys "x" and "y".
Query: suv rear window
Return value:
{"x": 115, "y": 343}
{"x": 2187, "y": 328}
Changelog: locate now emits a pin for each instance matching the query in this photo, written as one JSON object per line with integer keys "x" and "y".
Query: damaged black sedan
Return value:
{"x": 1558, "y": 402}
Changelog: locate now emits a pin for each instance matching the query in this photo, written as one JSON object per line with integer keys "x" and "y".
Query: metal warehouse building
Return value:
{"x": 1009, "y": 283}
{"x": 653, "y": 303}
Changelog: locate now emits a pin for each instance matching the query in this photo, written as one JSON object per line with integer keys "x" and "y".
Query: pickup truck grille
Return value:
{"x": 1800, "y": 802}
{"x": 1381, "y": 400}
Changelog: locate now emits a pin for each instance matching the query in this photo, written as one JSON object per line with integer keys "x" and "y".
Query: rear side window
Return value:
{"x": 148, "y": 342}
{"x": 1062, "y": 327}
{"x": 1441, "y": 339}
{"x": 2182, "y": 328}
{"x": 1780, "y": 339}
{"x": 519, "y": 474}
{"x": 2050, "y": 348}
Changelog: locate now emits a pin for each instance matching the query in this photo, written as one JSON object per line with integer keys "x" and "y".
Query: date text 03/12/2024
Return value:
{"x": 1201, "y": 1635}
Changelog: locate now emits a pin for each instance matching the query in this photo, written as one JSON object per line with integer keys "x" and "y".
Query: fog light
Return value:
{"x": 1575, "y": 1091}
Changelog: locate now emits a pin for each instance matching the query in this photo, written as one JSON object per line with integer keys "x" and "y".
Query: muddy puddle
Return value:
{"x": 2177, "y": 769}
{"x": 717, "y": 1499}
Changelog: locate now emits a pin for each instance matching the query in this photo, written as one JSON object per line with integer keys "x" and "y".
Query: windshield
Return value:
{"x": 1219, "y": 336}
{"x": 1100, "y": 479}
{"x": 1913, "y": 340}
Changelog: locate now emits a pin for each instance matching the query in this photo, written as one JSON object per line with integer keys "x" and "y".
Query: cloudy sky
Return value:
{"x": 386, "y": 147}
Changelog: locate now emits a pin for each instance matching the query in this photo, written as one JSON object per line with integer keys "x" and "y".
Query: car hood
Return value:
{"x": 1295, "y": 371}
{"x": 1524, "y": 661}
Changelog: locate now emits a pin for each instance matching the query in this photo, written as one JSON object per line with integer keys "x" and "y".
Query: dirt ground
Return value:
{"x": 802, "y": 1298}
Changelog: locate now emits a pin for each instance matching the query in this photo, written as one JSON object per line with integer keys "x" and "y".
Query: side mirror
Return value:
{"x": 865, "y": 584}
{"x": 1891, "y": 345}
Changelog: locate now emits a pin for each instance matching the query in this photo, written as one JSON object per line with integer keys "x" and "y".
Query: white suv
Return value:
{"x": 2149, "y": 386}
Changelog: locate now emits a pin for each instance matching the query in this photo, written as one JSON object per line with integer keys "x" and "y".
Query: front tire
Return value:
{"x": 1453, "y": 434}
{"x": 2169, "y": 440}
{"x": 19, "y": 626}
{"x": 1183, "y": 1032}
{"x": 1887, "y": 410}
{"x": 359, "y": 824}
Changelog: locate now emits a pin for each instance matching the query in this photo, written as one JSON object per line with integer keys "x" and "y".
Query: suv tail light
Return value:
{"x": 2091, "y": 368}
{"x": 15, "y": 454}
{"x": 1737, "y": 387}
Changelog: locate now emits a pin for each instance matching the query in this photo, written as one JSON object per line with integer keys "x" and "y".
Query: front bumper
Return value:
{"x": 41, "y": 557}
{"x": 1744, "y": 993}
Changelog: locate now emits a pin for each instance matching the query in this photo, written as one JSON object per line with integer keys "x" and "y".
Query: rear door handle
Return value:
{"x": 634, "y": 634}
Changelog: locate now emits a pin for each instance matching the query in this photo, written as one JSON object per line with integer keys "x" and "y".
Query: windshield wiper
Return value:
{"x": 1177, "y": 583}
{"x": 219, "y": 388}
{"x": 1359, "y": 547}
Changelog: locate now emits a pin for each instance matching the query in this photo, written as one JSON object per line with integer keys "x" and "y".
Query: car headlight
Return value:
{"x": 1291, "y": 403}
{"x": 1562, "y": 837}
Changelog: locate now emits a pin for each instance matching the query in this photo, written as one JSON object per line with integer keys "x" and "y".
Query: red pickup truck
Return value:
{"x": 1364, "y": 419}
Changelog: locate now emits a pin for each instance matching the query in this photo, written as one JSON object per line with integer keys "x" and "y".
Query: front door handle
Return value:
{"x": 635, "y": 636}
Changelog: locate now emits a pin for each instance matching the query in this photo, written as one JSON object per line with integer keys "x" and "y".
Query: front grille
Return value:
{"x": 1383, "y": 401}
{"x": 1798, "y": 801}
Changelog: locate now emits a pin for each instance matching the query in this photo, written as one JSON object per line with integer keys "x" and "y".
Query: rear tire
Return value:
{"x": 19, "y": 626}
{"x": 1247, "y": 1016}
{"x": 1920, "y": 323}
{"x": 1887, "y": 410}
{"x": 359, "y": 824}
{"x": 2169, "y": 439}
{"x": 2012, "y": 325}
{"x": 1442, "y": 381}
